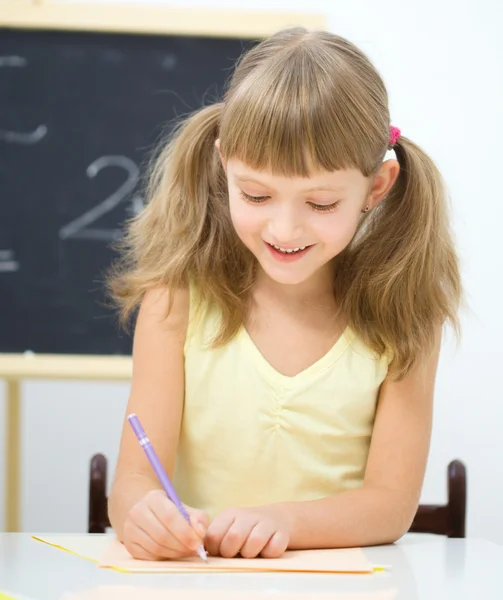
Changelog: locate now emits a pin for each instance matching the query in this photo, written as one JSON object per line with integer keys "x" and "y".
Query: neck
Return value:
{"x": 316, "y": 292}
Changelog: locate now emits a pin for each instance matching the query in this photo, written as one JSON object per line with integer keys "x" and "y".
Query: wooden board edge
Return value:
{"x": 65, "y": 366}
{"x": 153, "y": 19}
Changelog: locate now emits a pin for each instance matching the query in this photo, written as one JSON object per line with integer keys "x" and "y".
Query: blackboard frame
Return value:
{"x": 153, "y": 19}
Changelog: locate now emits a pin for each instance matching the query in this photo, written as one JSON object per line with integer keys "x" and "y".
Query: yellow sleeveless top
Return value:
{"x": 251, "y": 435}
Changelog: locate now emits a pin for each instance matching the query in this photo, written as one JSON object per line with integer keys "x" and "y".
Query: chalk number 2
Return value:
{"x": 82, "y": 226}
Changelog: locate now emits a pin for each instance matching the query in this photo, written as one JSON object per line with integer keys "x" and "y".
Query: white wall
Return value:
{"x": 442, "y": 64}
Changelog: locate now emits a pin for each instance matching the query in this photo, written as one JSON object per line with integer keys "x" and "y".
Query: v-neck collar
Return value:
{"x": 310, "y": 372}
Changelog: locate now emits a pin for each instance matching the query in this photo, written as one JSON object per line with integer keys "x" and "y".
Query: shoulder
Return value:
{"x": 164, "y": 311}
{"x": 367, "y": 360}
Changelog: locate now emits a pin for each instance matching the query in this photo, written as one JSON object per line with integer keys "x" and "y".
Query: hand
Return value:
{"x": 249, "y": 532}
{"x": 155, "y": 530}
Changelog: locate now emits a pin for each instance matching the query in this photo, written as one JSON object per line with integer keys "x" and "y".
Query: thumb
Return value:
{"x": 199, "y": 521}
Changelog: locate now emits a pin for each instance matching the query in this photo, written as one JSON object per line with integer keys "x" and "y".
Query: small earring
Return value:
{"x": 366, "y": 209}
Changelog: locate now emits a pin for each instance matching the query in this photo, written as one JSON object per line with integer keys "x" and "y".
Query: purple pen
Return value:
{"x": 161, "y": 473}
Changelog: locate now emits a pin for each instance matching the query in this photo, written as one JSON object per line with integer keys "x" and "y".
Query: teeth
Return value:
{"x": 288, "y": 251}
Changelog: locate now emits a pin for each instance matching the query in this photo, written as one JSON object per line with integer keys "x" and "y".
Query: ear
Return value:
{"x": 217, "y": 146}
{"x": 383, "y": 181}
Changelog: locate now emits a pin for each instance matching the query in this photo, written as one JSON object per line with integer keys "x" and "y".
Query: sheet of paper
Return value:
{"x": 350, "y": 560}
{"x": 137, "y": 593}
{"x": 90, "y": 547}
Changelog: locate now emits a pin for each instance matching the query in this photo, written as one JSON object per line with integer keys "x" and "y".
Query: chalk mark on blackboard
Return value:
{"x": 105, "y": 235}
{"x": 8, "y": 262}
{"x": 136, "y": 206}
{"x": 14, "y": 136}
{"x": 17, "y": 137}
{"x": 13, "y": 61}
{"x": 79, "y": 227}
{"x": 169, "y": 62}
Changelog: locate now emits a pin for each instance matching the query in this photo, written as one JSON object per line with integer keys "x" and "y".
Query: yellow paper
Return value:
{"x": 137, "y": 593}
{"x": 93, "y": 547}
{"x": 90, "y": 547}
{"x": 350, "y": 560}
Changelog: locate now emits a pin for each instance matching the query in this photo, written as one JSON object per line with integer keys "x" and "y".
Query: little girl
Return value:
{"x": 292, "y": 287}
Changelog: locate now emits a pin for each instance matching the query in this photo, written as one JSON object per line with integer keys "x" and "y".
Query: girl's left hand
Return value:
{"x": 249, "y": 532}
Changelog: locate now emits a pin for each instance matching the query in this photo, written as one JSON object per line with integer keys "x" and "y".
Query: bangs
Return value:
{"x": 292, "y": 118}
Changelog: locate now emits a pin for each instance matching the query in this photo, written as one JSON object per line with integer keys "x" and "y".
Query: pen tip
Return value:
{"x": 202, "y": 553}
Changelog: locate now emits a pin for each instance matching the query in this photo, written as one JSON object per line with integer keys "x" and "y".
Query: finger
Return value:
{"x": 155, "y": 550}
{"x": 257, "y": 540}
{"x": 276, "y": 546}
{"x": 131, "y": 543}
{"x": 236, "y": 536}
{"x": 146, "y": 517}
{"x": 138, "y": 551}
{"x": 217, "y": 530}
{"x": 199, "y": 520}
{"x": 152, "y": 524}
{"x": 139, "y": 545}
{"x": 173, "y": 521}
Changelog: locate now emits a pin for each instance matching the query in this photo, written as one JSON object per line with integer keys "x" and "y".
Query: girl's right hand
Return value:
{"x": 155, "y": 530}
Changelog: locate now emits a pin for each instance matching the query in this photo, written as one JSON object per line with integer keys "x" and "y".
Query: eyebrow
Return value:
{"x": 318, "y": 188}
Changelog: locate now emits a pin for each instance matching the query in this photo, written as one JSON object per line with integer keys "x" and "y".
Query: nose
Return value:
{"x": 284, "y": 226}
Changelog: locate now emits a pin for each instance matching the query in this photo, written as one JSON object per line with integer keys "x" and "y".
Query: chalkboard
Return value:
{"x": 80, "y": 114}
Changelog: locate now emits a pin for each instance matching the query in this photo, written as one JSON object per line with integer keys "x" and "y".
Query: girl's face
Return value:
{"x": 295, "y": 226}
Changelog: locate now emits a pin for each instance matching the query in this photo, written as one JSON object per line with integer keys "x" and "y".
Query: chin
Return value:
{"x": 284, "y": 277}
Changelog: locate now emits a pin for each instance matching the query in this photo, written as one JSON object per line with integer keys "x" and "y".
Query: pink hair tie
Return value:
{"x": 394, "y": 134}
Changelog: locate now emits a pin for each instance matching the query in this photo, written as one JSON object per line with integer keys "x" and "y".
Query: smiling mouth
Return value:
{"x": 287, "y": 255}
{"x": 288, "y": 251}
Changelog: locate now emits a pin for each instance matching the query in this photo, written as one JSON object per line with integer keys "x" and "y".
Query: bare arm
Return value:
{"x": 382, "y": 510}
{"x": 157, "y": 392}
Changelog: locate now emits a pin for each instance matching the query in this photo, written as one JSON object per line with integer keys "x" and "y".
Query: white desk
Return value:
{"x": 423, "y": 567}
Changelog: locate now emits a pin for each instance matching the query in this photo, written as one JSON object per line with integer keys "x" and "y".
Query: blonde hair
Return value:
{"x": 299, "y": 100}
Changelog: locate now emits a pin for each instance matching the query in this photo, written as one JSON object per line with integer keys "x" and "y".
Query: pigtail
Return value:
{"x": 400, "y": 277}
{"x": 184, "y": 229}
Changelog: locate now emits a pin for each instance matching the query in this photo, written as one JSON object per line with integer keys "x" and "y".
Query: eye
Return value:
{"x": 325, "y": 208}
{"x": 253, "y": 199}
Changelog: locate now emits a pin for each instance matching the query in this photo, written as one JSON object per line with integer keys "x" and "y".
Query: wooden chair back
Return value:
{"x": 443, "y": 519}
